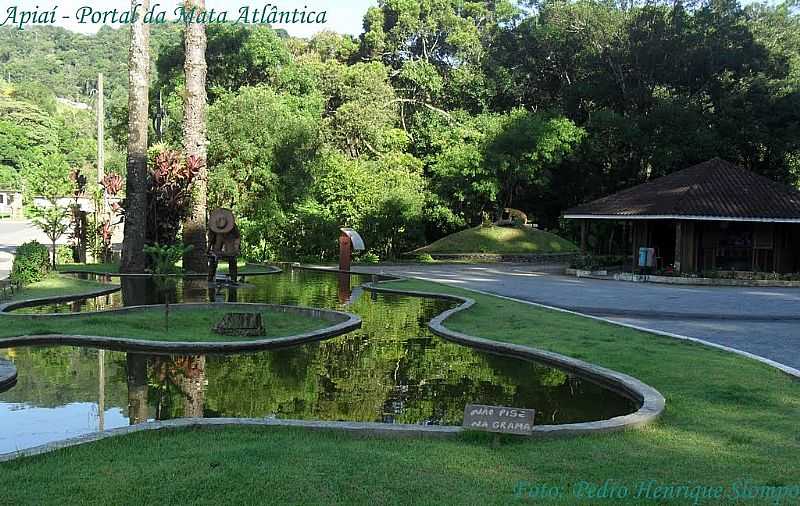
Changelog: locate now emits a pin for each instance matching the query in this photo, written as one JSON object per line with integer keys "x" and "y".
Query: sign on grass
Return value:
{"x": 499, "y": 419}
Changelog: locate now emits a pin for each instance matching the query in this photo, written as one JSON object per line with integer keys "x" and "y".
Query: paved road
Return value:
{"x": 762, "y": 321}
{"x": 14, "y": 233}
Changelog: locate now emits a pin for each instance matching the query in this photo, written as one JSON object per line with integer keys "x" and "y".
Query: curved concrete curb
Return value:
{"x": 7, "y": 307}
{"x": 791, "y": 371}
{"x": 272, "y": 270}
{"x": 342, "y": 324}
{"x": 651, "y": 402}
{"x": 8, "y": 375}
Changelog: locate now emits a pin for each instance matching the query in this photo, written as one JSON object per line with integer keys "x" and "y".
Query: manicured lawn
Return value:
{"x": 57, "y": 286}
{"x": 244, "y": 268}
{"x": 729, "y": 421}
{"x": 184, "y": 325}
{"x": 92, "y": 268}
{"x": 193, "y": 325}
{"x": 500, "y": 240}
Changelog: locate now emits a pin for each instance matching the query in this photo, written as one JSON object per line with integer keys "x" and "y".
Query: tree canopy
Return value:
{"x": 442, "y": 112}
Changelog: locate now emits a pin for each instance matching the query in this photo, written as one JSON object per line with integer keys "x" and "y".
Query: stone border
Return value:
{"x": 8, "y": 375}
{"x": 7, "y": 307}
{"x": 681, "y": 280}
{"x": 652, "y": 403}
{"x": 342, "y": 324}
{"x": 272, "y": 270}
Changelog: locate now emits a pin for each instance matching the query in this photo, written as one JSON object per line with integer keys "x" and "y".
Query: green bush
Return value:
{"x": 64, "y": 255}
{"x": 31, "y": 263}
{"x": 369, "y": 258}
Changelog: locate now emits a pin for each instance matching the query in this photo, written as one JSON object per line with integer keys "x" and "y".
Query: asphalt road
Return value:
{"x": 14, "y": 233}
{"x": 762, "y": 321}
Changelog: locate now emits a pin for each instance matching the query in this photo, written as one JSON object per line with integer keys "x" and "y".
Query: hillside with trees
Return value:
{"x": 440, "y": 114}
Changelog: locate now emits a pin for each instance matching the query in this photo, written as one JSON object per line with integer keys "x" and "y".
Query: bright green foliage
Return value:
{"x": 9, "y": 179}
{"x": 48, "y": 177}
{"x": 538, "y": 105}
{"x": 164, "y": 258}
{"x": 261, "y": 146}
{"x": 53, "y": 220}
{"x": 31, "y": 263}
{"x": 483, "y": 162}
{"x": 382, "y": 199}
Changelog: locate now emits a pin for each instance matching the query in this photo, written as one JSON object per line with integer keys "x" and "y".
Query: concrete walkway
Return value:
{"x": 762, "y": 321}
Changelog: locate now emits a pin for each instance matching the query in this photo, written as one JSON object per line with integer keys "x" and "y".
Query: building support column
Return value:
{"x": 584, "y": 226}
{"x": 678, "y": 246}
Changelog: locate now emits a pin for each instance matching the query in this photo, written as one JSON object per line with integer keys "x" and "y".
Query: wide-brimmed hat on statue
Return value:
{"x": 221, "y": 221}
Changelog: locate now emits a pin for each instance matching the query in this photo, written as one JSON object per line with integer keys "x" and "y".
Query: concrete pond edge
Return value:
{"x": 651, "y": 402}
{"x": 789, "y": 371}
{"x": 8, "y": 375}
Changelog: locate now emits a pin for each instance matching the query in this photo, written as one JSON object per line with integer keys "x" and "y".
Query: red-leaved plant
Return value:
{"x": 170, "y": 194}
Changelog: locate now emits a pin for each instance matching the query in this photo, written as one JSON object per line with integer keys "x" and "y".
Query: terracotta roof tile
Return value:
{"x": 713, "y": 189}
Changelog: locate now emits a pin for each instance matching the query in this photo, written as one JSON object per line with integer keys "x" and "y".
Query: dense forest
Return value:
{"x": 438, "y": 115}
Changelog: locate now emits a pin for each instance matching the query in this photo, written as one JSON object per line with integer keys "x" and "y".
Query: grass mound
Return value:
{"x": 499, "y": 240}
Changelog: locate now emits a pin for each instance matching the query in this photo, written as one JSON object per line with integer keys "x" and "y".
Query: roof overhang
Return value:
{"x": 623, "y": 217}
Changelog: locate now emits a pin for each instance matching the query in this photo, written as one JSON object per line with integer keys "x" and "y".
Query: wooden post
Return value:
{"x": 584, "y": 226}
{"x": 101, "y": 394}
{"x": 101, "y": 153}
{"x": 678, "y": 246}
{"x": 345, "y": 252}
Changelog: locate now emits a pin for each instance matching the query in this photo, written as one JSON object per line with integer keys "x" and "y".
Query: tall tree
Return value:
{"x": 194, "y": 139}
{"x": 133, "y": 256}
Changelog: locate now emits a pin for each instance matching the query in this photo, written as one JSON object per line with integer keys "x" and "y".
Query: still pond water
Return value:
{"x": 392, "y": 370}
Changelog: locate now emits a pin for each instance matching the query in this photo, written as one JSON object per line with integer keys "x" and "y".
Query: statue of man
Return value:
{"x": 224, "y": 241}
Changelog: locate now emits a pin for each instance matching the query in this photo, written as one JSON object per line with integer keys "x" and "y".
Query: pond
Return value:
{"x": 392, "y": 370}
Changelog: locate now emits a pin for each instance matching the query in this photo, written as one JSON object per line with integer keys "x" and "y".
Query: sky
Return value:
{"x": 343, "y": 16}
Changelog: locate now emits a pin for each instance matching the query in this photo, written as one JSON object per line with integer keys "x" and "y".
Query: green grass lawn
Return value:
{"x": 113, "y": 268}
{"x": 57, "y": 286}
{"x": 499, "y": 240}
{"x": 728, "y": 421}
{"x": 185, "y": 325}
{"x": 193, "y": 325}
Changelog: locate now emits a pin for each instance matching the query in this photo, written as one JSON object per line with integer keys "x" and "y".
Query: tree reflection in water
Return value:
{"x": 391, "y": 370}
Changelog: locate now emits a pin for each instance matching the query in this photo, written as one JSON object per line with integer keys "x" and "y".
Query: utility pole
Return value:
{"x": 101, "y": 153}
{"x": 101, "y": 394}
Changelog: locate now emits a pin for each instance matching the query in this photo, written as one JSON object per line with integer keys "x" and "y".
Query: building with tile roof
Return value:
{"x": 711, "y": 216}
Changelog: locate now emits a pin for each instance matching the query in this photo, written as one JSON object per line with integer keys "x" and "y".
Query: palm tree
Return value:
{"x": 133, "y": 257}
{"x": 194, "y": 139}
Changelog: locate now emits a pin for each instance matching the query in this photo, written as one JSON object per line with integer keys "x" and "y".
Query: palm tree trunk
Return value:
{"x": 133, "y": 257}
{"x": 194, "y": 140}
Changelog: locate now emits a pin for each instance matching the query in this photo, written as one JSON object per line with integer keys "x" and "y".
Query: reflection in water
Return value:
{"x": 137, "y": 388}
{"x": 392, "y": 370}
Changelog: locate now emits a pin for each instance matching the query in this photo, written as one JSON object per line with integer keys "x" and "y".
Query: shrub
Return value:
{"x": 64, "y": 255}
{"x": 425, "y": 258}
{"x": 369, "y": 258}
{"x": 31, "y": 263}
